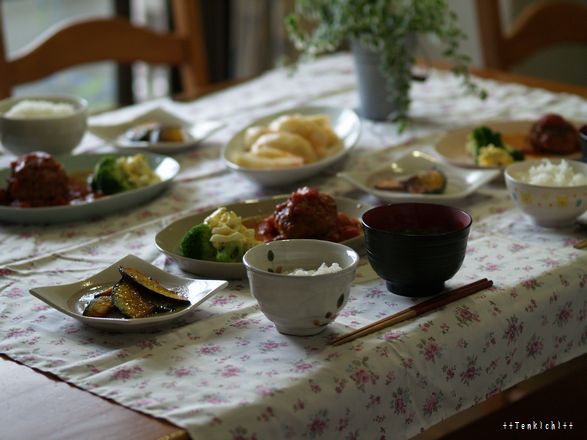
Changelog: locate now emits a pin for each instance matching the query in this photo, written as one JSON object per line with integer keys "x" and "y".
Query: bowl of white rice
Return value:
{"x": 552, "y": 192}
{"x": 54, "y": 124}
{"x": 301, "y": 285}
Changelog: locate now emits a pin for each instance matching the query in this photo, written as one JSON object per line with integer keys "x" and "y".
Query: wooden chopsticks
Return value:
{"x": 581, "y": 244}
{"x": 417, "y": 310}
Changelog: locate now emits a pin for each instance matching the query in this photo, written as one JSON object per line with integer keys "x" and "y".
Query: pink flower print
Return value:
{"x": 426, "y": 326}
{"x": 374, "y": 401}
{"x": 534, "y": 347}
{"x": 360, "y": 377}
{"x": 432, "y": 403}
{"x": 465, "y": 316}
{"x": 445, "y": 328}
{"x": 531, "y": 284}
{"x": 230, "y": 371}
{"x": 564, "y": 315}
{"x": 209, "y": 349}
{"x": 430, "y": 349}
{"x": 376, "y": 292}
{"x": 392, "y": 335}
{"x": 302, "y": 366}
{"x": 5, "y": 271}
{"x": 340, "y": 385}
{"x": 240, "y": 433}
{"x": 531, "y": 306}
{"x": 266, "y": 415}
{"x": 514, "y": 329}
{"x": 124, "y": 374}
{"x": 183, "y": 371}
{"x": 318, "y": 424}
{"x": 471, "y": 372}
{"x": 491, "y": 267}
{"x": 449, "y": 372}
{"x": 15, "y": 293}
{"x": 271, "y": 345}
{"x": 148, "y": 344}
{"x": 550, "y": 262}
{"x": 314, "y": 387}
{"x": 516, "y": 247}
{"x": 401, "y": 400}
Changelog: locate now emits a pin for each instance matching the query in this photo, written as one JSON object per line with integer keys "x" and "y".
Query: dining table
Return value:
{"x": 224, "y": 371}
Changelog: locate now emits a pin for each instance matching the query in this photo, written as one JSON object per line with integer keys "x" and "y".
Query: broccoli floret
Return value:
{"x": 232, "y": 252}
{"x": 517, "y": 155}
{"x": 196, "y": 243}
{"x": 484, "y": 136}
{"x": 109, "y": 178}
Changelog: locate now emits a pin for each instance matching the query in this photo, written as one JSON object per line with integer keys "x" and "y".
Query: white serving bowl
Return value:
{"x": 345, "y": 122}
{"x": 300, "y": 305}
{"x": 548, "y": 206}
{"x": 53, "y": 134}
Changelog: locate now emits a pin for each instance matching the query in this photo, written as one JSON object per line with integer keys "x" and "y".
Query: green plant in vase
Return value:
{"x": 385, "y": 31}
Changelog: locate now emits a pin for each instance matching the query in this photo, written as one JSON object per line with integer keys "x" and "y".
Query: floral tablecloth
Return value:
{"x": 227, "y": 373}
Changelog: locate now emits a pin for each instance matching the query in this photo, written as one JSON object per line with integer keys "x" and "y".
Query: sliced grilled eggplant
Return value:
{"x": 128, "y": 298}
{"x": 150, "y": 284}
{"x": 431, "y": 181}
{"x": 100, "y": 307}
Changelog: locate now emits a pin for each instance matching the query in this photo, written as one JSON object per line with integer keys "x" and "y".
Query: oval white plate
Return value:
{"x": 451, "y": 146}
{"x": 115, "y": 133}
{"x": 345, "y": 122}
{"x": 460, "y": 182}
{"x": 165, "y": 167}
{"x": 168, "y": 239}
{"x": 67, "y": 297}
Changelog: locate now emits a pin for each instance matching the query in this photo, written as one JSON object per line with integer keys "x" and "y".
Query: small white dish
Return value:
{"x": 547, "y": 206}
{"x": 300, "y": 305}
{"x": 72, "y": 299}
{"x": 451, "y": 146}
{"x": 168, "y": 239}
{"x": 116, "y": 133}
{"x": 345, "y": 122}
{"x": 53, "y": 134}
{"x": 165, "y": 167}
{"x": 460, "y": 182}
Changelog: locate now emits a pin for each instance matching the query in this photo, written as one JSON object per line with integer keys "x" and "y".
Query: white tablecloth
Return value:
{"x": 227, "y": 373}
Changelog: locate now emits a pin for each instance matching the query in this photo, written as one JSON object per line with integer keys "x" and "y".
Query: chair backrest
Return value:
{"x": 82, "y": 41}
{"x": 538, "y": 26}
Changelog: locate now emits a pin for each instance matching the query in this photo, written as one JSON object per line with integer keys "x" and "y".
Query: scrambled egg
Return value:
{"x": 137, "y": 171}
{"x": 491, "y": 156}
{"x": 227, "y": 227}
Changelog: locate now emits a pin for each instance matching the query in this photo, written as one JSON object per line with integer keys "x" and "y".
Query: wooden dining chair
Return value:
{"x": 540, "y": 25}
{"x": 116, "y": 39}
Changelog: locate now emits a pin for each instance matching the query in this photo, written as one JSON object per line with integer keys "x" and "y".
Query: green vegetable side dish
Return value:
{"x": 488, "y": 149}
{"x": 221, "y": 237}
{"x": 117, "y": 174}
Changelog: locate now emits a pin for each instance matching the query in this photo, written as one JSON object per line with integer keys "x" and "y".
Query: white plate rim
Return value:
{"x": 481, "y": 176}
{"x": 110, "y": 274}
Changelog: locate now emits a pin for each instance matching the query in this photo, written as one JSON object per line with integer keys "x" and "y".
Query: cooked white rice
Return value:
{"x": 323, "y": 269}
{"x": 549, "y": 174}
{"x": 37, "y": 109}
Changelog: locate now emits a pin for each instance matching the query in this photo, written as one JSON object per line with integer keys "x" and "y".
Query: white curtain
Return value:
{"x": 258, "y": 36}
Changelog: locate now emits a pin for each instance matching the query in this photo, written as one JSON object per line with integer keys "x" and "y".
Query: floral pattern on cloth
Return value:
{"x": 224, "y": 372}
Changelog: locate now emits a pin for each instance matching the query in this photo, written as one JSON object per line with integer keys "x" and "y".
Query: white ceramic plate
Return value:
{"x": 168, "y": 239}
{"x": 345, "y": 122}
{"x": 115, "y": 133}
{"x": 165, "y": 167}
{"x": 451, "y": 146}
{"x": 72, "y": 299}
{"x": 460, "y": 182}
